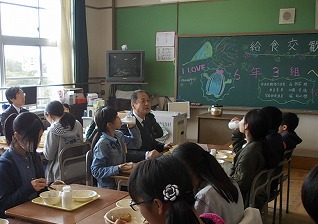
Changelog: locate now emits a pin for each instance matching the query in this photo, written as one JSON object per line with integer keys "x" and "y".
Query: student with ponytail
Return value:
{"x": 64, "y": 130}
{"x": 21, "y": 171}
{"x": 109, "y": 145}
{"x": 161, "y": 188}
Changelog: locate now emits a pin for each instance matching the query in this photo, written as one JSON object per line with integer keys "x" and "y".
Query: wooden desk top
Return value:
{"x": 35, "y": 213}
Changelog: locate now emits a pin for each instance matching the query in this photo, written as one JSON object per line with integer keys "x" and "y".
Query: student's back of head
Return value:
{"x": 56, "y": 108}
{"x": 164, "y": 184}
{"x": 291, "y": 121}
{"x": 309, "y": 193}
{"x": 275, "y": 116}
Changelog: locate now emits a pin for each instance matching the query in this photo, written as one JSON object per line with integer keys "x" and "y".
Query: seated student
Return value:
{"x": 161, "y": 188}
{"x": 309, "y": 193}
{"x": 21, "y": 171}
{"x": 109, "y": 147}
{"x": 64, "y": 130}
{"x": 274, "y": 139}
{"x": 16, "y": 98}
{"x": 253, "y": 157}
{"x": 287, "y": 130}
{"x": 149, "y": 129}
{"x": 214, "y": 191}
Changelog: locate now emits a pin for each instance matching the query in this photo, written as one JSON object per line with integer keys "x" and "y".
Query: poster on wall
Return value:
{"x": 165, "y": 42}
{"x": 165, "y": 53}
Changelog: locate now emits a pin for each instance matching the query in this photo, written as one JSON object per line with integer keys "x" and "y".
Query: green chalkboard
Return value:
{"x": 250, "y": 70}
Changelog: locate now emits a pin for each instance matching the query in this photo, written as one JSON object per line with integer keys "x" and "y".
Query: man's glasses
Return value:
{"x": 135, "y": 205}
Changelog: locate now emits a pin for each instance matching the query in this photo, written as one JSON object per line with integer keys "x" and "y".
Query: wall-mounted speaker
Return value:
{"x": 287, "y": 16}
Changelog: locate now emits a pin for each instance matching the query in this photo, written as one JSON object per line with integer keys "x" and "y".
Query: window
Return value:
{"x": 29, "y": 54}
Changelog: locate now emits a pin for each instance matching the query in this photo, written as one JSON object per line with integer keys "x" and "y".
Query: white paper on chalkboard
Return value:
{"x": 165, "y": 39}
{"x": 165, "y": 53}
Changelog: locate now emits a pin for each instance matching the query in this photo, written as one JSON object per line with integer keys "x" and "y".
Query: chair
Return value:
{"x": 251, "y": 216}
{"x": 89, "y": 176}
{"x": 72, "y": 162}
{"x": 259, "y": 184}
{"x": 288, "y": 155}
{"x": 276, "y": 175}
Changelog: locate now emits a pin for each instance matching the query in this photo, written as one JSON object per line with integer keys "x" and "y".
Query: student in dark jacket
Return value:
{"x": 275, "y": 140}
{"x": 149, "y": 129}
{"x": 287, "y": 130}
{"x": 21, "y": 171}
{"x": 16, "y": 98}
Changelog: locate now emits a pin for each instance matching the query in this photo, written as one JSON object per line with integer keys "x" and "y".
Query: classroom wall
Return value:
{"x": 136, "y": 26}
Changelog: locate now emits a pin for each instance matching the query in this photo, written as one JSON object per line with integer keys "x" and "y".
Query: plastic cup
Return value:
{"x": 129, "y": 120}
{"x": 234, "y": 124}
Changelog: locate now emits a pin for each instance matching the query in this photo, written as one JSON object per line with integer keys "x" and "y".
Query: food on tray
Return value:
{"x": 125, "y": 217}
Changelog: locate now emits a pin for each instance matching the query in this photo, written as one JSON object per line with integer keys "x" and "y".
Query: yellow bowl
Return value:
{"x": 83, "y": 195}
{"x": 51, "y": 197}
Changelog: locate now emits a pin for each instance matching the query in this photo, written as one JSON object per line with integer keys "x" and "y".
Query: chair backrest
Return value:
{"x": 276, "y": 177}
{"x": 89, "y": 176}
{"x": 259, "y": 184}
{"x": 251, "y": 216}
{"x": 288, "y": 154}
{"x": 72, "y": 162}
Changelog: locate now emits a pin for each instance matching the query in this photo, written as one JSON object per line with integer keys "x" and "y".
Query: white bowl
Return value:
{"x": 123, "y": 203}
{"x": 136, "y": 217}
{"x": 4, "y": 221}
{"x": 83, "y": 195}
{"x": 51, "y": 197}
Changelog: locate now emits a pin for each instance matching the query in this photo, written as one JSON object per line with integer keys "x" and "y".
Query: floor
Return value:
{"x": 297, "y": 213}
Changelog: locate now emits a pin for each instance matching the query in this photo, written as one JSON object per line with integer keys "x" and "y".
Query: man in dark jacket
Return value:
{"x": 149, "y": 129}
{"x": 16, "y": 98}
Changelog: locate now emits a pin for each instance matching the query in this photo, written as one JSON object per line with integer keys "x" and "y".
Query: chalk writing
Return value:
{"x": 249, "y": 70}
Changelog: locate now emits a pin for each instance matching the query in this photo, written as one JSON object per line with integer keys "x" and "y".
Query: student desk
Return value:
{"x": 35, "y": 213}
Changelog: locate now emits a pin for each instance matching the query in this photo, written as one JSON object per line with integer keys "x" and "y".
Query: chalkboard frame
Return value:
{"x": 237, "y": 108}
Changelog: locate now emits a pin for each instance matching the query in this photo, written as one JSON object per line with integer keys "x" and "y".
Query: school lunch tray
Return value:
{"x": 75, "y": 204}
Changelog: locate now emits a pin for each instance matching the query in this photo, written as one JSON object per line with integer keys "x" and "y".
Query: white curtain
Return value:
{"x": 65, "y": 42}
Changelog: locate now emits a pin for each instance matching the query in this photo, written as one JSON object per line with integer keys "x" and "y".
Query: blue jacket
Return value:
{"x": 109, "y": 152}
{"x": 12, "y": 191}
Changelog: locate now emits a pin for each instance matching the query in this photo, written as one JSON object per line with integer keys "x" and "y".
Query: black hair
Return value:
{"x": 8, "y": 128}
{"x": 207, "y": 168}
{"x": 275, "y": 116}
{"x": 150, "y": 178}
{"x": 11, "y": 93}
{"x": 56, "y": 108}
{"x": 309, "y": 193}
{"x": 103, "y": 116}
{"x": 291, "y": 121}
{"x": 28, "y": 125}
{"x": 259, "y": 126}
{"x": 134, "y": 96}
{"x": 66, "y": 105}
